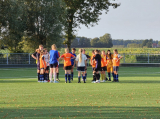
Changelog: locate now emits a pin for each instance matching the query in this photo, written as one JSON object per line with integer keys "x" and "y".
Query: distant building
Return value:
{"x": 155, "y": 45}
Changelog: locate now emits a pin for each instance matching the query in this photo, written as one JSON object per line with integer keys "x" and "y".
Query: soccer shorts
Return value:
{"x": 104, "y": 69}
{"x": 82, "y": 69}
{"x": 67, "y": 67}
{"x": 115, "y": 68}
{"x": 53, "y": 65}
{"x": 109, "y": 68}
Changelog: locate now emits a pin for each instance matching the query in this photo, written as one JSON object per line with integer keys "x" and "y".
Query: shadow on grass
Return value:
{"x": 81, "y": 112}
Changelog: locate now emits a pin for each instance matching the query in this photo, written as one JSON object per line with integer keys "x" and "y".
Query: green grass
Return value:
{"x": 136, "y": 96}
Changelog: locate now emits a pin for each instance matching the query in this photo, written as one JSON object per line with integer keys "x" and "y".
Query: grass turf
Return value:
{"x": 135, "y": 96}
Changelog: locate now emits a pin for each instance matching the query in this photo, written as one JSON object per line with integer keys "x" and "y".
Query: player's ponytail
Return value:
{"x": 80, "y": 55}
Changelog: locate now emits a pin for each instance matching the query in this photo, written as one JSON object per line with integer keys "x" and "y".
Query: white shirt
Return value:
{"x": 46, "y": 56}
{"x": 82, "y": 63}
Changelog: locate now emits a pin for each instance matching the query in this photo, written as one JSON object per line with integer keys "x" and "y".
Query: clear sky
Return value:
{"x": 134, "y": 19}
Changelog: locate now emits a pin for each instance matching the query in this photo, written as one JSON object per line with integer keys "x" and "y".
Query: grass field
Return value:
{"x": 136, "y": 96}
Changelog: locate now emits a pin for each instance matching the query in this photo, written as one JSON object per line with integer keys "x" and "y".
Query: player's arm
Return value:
{"x": 120, "y": 57}
{"x": 34, "y": 55}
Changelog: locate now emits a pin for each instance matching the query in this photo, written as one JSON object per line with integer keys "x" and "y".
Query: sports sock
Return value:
{"x": 84, "y": 78}
{"x": 93, "y": 77}
{"x": 113, "y": 75}
{"x": 57, "y": 75}
{"x": 117, "y": 77}
{"x": 43, "y": 77}
{"x": 66, "y": 78}
{"x": 98, "y": 76}
{"x": 54, "y": 77}
{"x": 38, "y": 76}
{"x": 47, "y": 76}
{"x": 109, "y": 75}
{"x": 72, "y": 75}
{"x": 101, "y": 76}
{"x": 50, "y": 76}
{"x": 79, "y": 78}
{"x": 86, "y": 75}
{"x": 69, "y": 77}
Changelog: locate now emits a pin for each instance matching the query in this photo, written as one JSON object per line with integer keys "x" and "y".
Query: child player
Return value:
{"x": 98, "y": 68}
{"x": 67, "y": 64}
{"x": 81, "y": 63}
{"x": 103, "y": 65}
{"x": 53, "y": 62}
{"x": 88, "y": 57}
{"x": 46, "y": 56}
{"x": 93, "y": 65}
{"x": 36, "y": 56}
{"x": 110, "y": 65}
{"x": 73, "y": 62}
{"x": 42, "y": 66}
{"x": 116, "y": 62}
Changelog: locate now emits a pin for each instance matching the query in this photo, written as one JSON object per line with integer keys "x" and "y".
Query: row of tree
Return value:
{"x": 135, "y": 43}
{"x": 24, "y": 24}
{"x": 105, "y": 41}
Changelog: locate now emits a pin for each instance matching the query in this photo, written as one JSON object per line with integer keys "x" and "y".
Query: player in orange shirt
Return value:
{"x": 116, "y": 63}
{"x": 103, "y": 66}
{"x": 43, "y": 65}
{"x": 67, "y": 64}
{"x": 93, "y": 63}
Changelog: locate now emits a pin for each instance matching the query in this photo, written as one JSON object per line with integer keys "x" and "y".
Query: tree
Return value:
{"x": 30, "y": 22}
{"x": 106, "y": 41}
{"x": 94, "y": 42}
{"x": 84, "y": 12}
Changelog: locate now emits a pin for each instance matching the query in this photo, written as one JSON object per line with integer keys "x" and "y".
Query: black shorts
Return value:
{"x": 104, "y": 68}
{"x": 68, "y": 68}
{"x": 53, "y": 65}
{"x": 97, "y": 69}
{"x": 38, "y": 67}
{"x": 82, "y": 69}
{"x": 115, "y": 68}
{"x": 47, "y": 68}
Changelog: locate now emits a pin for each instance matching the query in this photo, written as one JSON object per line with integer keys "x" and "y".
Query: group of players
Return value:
{"x": 100, "y": 62}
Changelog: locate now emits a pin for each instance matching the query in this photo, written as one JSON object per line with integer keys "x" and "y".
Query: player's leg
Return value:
{"x": 112, "y": 72}
{"x": 116, "y": 74}
{"x": 38, "y": 74}
{"x": 69, "y": 73}
{"x": 57, "y": 71}
{"x": 72, "y": 73}
{"x": 66, "y": 74}
{"x": 109, "y": 73}
{"x": 84, "y": 76}
{"x": 42, "y": 74}
{"x": 79, "y": 76}
{"x": 51, "y": 72}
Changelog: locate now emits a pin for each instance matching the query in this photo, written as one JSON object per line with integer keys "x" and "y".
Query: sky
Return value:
{"x": 134, "y": 19}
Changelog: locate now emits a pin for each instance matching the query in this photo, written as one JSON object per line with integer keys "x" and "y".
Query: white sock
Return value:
{"x": 50, "y": 76}
{"x": 54, "y": 76}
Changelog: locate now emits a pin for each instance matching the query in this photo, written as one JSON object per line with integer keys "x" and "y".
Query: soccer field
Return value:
{"x": 136, "y": 96}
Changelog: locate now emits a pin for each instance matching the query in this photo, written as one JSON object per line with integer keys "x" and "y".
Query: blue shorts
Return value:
{"x": 115, "y": 68}
{"x": 53, "y": 65}
{"x": 82, "y": 69}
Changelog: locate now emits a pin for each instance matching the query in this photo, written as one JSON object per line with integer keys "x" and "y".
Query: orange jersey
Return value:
{"x": 102, "y": 61}
{"x": 93, "y": 63}
{"x": 42, "y": 62}
{"x": 116, "y": 62}
{"x": 67, "y": 59}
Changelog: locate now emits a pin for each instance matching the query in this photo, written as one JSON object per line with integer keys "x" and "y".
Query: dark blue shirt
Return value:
{"x": 53, "y": 56}
{"x": 72, "y": 60}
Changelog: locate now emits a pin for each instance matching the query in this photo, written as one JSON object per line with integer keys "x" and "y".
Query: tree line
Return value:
{"x": 105, "y": 41}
